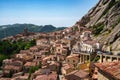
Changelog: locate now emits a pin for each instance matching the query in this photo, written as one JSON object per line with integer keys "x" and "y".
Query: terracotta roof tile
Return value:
{"x": 77, "y": 75}
{"x": 112, "y": 68}
{"x": 52, "y": 76}
{"x": 30, "y": 64}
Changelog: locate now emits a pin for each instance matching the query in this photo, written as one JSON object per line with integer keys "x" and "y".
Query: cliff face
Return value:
{"x": 104, "y": 21}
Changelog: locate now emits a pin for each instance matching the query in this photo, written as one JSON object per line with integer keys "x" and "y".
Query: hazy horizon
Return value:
{"x": 63, "y": 13}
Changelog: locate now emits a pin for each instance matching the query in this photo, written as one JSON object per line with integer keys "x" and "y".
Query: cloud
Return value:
{"x": 56, "y": 21}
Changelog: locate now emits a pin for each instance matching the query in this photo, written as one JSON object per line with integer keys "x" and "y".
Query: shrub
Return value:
{"x": 97, "y": 28}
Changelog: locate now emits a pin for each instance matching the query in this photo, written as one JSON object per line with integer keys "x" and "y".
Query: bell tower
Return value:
{"x": 25, "y": 33}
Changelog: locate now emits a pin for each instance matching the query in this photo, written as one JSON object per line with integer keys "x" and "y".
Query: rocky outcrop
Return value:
{"x": 114, "y": 35}
{"x": 104, "y": 19}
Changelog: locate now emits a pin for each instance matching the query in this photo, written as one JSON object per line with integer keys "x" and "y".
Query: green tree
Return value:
{"x": 33, "y": 69}
{"x": 2, "y": 57}
{"x": 7, "y": 49}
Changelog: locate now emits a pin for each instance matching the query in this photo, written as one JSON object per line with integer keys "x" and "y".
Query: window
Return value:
{"x": 68, "y": 60}
{"x": 73, "y": 60}
{"x": 95, "y": 72}
{"x": 58, "y": 49}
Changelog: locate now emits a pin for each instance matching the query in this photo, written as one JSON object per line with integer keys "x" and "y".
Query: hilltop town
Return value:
{"x": 89, "y": 50}
{"x": 69, "y": 54}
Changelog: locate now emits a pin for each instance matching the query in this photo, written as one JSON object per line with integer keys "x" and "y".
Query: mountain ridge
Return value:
{"x": 11, "y": 30}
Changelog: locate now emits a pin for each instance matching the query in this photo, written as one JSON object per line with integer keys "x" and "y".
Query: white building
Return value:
{"x": 89, "y": 46}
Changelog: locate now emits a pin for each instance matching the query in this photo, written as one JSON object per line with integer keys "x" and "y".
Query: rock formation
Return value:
{"x": 104, "y": 21}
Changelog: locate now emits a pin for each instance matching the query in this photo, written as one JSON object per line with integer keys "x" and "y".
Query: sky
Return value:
{"x": 44, "y": 12}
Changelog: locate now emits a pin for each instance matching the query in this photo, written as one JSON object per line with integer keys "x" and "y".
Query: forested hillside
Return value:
{"x": 9, "y": 30}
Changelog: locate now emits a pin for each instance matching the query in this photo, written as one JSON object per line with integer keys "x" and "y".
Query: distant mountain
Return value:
{"x": 9, "y": 30}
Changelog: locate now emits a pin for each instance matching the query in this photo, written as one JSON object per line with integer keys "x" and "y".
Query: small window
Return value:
{"x": 58, "y": 49}
{"x": 68, "y": 60}
{"x": 95, "y": 72}
{"x": 73, "y": 60}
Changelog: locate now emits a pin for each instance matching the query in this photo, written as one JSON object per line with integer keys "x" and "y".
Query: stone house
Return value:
{"x": 67, "y": 68}
{"x": 51, "y": 76}
{"x": 25, "y": 57}
{"x": 41, "y": 42}
{"x": 73, "y": 59}
{"x": 61, "y": 49}
{"x": 38, "y": 55}
{"x": 77, "y": 75}
{"x": 44, "y": 74}
{"x": 86, "y": 34}
{"x": 34, "y": 49}
{"x": 40, "y": 72}
{"x": 28, "y": 65}
{"x": 11, "y": 66}
{"x": 46, "y": 59}
{"x": 53, "y": 66}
